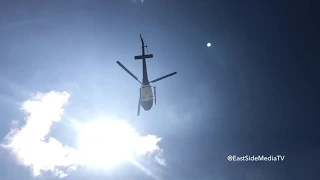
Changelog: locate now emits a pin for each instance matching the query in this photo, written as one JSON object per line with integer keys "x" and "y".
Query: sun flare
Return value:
{"x": 107, "y": 143}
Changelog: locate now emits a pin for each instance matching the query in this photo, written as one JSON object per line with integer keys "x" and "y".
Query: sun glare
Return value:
{"x": 106, "y": 143}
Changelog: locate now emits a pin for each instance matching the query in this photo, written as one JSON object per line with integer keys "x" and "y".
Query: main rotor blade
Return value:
{"x": 123, "y": 67}
{"x": 163, "y": 77}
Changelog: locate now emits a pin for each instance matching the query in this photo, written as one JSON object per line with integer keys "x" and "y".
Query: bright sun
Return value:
{"x": 106, "y": 143}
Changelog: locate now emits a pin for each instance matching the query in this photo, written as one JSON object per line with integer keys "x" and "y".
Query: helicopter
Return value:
{"x": 146, "y": 96}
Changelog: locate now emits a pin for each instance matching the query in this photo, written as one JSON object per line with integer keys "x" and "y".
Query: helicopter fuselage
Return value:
{"x": 146, "y": 97}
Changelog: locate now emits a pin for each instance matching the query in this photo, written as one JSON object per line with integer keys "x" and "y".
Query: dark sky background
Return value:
{"x": 255, "y": 91}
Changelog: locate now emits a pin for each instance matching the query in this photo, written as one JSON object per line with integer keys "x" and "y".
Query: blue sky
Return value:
{"x": 253, "y": 92}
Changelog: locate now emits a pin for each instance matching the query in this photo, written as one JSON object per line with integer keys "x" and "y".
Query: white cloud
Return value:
{"x": 34, "y": 148}
{"x": 160, "y": 159}
{"x": 29, "y": 144}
